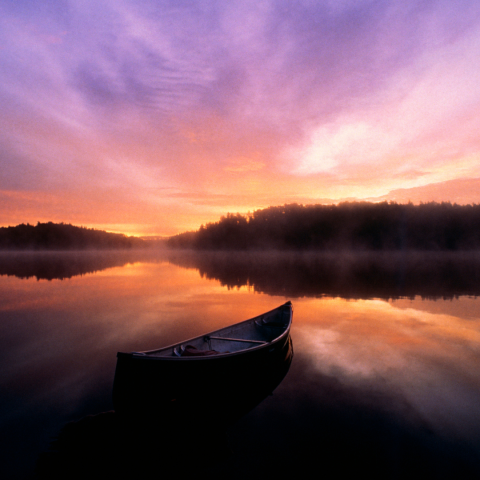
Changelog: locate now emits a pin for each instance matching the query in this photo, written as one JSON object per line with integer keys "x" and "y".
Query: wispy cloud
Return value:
{"x": 309, "y": 99}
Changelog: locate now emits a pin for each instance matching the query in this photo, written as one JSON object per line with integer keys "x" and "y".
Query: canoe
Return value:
{"x": 220, "y": 374}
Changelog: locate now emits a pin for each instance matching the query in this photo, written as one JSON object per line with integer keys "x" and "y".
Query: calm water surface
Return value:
{"x": 385, "y": 379}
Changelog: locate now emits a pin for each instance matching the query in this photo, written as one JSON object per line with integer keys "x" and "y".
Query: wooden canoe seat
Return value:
{"x": 191, "y": 351}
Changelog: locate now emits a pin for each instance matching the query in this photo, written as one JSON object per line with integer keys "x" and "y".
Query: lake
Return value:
{"x": 385, "y": 379}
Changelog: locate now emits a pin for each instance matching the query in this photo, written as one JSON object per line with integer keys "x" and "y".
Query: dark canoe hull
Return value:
{"x": 219, "y": 388}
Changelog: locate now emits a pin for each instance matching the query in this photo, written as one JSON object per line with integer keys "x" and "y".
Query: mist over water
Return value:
{"x": 384, "y": 380}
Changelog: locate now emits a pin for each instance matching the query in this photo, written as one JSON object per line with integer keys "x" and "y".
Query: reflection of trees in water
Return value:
{"x": 61, "y": 265}
{"x": 349, "y": 275}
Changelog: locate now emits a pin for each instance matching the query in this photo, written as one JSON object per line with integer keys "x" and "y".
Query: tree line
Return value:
{"x": 61, "y": 236}
{"x": 362, "y": 226}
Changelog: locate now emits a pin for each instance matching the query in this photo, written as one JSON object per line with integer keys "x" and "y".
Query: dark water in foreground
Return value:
{"x": 385, "y": 380}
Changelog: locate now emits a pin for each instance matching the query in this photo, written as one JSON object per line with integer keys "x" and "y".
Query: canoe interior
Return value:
{"x": 246, "y": 335}
{"x": 160, "y": 386}
{"x": 180, "y": 395}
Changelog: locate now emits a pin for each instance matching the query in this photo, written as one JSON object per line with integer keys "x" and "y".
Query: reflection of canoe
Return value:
{"x": 223, "y": 373}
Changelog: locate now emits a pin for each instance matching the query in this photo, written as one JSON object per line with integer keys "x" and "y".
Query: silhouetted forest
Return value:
{"x": 61, "y": 236}
{"x": 347, "y": 226}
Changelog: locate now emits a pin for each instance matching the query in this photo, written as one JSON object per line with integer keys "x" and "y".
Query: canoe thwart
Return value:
{"x": 228, "y": 339}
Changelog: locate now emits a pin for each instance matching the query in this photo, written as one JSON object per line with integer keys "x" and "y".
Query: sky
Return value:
{"x": 154, "y": 117}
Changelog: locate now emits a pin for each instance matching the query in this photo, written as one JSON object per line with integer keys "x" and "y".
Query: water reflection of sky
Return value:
{"x": 411, "y": 363}
{"x": 430, "y": 359}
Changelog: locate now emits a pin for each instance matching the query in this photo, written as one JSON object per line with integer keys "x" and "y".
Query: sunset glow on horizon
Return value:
{"x": 154, "y": 117}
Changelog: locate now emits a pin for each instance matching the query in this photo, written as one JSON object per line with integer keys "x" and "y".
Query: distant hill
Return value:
{"x": 61, "y": 236}
{"x": 348, "y": 226}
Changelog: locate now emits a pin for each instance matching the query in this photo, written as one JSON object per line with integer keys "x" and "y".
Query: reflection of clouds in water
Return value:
{"x": 333, "y": 353}
{"x": 429, "y": 359}
{"x": 464, "y": 307}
